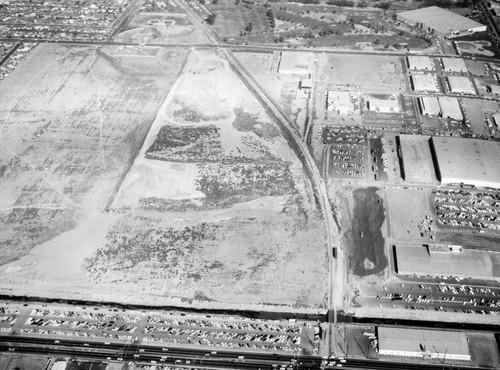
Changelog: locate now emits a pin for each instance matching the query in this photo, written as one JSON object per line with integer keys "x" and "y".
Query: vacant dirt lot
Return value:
{"x": 66, "y": 139}
{"x": 410, "y": 226}
{"x": 215, "y": 210}
{"x": 357, "y": 72}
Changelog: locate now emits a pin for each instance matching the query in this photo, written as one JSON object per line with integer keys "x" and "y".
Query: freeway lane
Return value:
{"x": 170, "y": 355}
{"x": 205, "y": 358}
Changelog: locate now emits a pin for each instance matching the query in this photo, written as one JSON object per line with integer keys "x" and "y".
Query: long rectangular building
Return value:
{"x": 423, "y": 343}
{"x": 469, "y": 161}
{"x": 450, "y": 108}
{"x": 429, "y": 261}
{"x": 434, "y": 19}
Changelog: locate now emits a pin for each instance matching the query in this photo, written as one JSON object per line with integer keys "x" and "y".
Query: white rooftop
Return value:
{"x": 450, "y": 108}
{"x": 468, "y": 161}
{"x": 339, "y": 101}
{"x": 460, "y": 84}
{"x": 454, "y": 65}
{"x": 441, "y": 20}
{"x": 424, "y": 82}
{"x": 429, "y": 105}
{"x": 421, "y": 342}
{"x": 419, "y": 62}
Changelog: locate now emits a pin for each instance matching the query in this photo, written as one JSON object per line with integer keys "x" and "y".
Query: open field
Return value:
{"x": 18, "y": 361}
{"x": 194, "y": 222}
{"x": 409, "y": 226}
{"x": 310, "y": 24}
{"x": 66, "y": 139}
{"x": 357, "y": 72}
{"x": 281, "y": 87}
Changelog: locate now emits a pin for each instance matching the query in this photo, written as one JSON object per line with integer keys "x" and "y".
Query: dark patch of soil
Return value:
{"x": 226, "y": 184}
{"x": 186, "y": 144}
{"x": 247, "y": 122}
{"x": 367, "y": 244}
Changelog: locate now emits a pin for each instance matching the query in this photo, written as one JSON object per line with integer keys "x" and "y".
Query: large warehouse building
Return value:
{"x": 423, "y": 343}
{"x": 468, "y": 161}
{"x": 437, "y": 260}
{"x": 440, "y": 21}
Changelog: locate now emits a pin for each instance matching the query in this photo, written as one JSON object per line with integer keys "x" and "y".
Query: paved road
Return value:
{"x": 302, "y": 151}
{"x": 201, "y": 358}
{"x": 481, "y": 4}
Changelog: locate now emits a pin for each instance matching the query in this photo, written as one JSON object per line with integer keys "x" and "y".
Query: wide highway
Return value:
{"x": 200, "y": 358}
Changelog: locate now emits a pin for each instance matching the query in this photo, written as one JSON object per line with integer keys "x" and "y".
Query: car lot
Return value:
{"x": 444, "y": 296}
{"x": 462, "y": 208}
{"x": 348, "y": 151}
{"x": 97, "y": 324}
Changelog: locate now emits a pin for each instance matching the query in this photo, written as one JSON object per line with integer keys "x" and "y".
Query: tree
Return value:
{"x": 385, "y": 5}
{"x": 211, "y": 19}
{"x": 249, "y": 27}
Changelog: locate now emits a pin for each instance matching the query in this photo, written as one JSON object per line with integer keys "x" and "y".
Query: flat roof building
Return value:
{"x": 453, "y": 65}
{"x": 434, "y": 261}
{"x": 296, "y": 63}
{"x": 440, "y": 21}
{"x": 423, "y": 343}
{"x": 450, "y": 108}
{"x": 417, "y": 166}
{"x": 494, "y": 89}
{"x": 306, "y": 83}
{"x": 429, "y": 105}
{"x": 389, "y": 105}
{"x": 460, "y": 85}
{"x": 425, "y": 82}
{"x": 496, "y": 119}
{"x": 418, "y": 62}
{"x": 469, "y": 161}
{"x": 339, "y": 102}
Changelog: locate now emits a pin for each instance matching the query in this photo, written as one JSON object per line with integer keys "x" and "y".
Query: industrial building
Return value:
{"x": 494, "y": 89}
{"x": 429, "y": 105}
{"x": 496, "y": 119}
{"x": 423, "y": 83}
{"x": 441, "y": 22}
{"x": 419, "y": 63}
{"x": 450, "y": 108}
{"x": 460, "y": 85}
{"x": 444, "y": 260}
{"x": 468, "y": 161}
{"x": 296, "y": 63}
{"x": 306, "y": 84}
{"x": 417, "y": 166}
{"x": 423, "y": 343}
{"x": 453, "y": 65}
{"x": 339, "y": 102}
{"x": 389, "y": 105}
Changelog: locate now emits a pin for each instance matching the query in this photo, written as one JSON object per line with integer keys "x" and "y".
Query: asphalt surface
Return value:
{"x": 196, "y": 358}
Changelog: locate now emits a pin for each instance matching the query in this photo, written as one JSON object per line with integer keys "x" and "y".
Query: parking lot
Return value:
{"x": 462, "y": 208}
{"x": 450, "y": 297}
{"x": 347, "y": 151}
{"x": 174, "y": 328}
